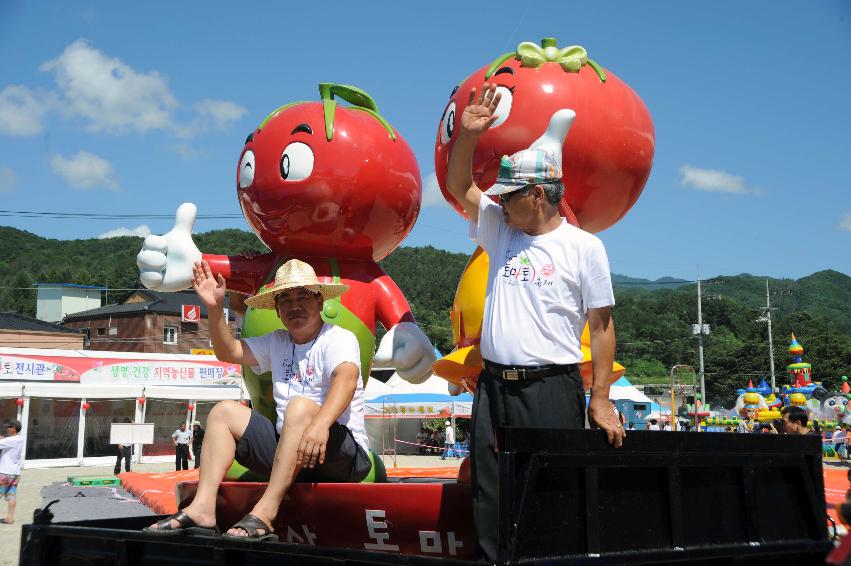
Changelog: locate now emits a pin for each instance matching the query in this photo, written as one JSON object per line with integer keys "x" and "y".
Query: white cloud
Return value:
{"x": 7, "y": 179}
{"x": 186, "y": 151}
{"x": 141, "y": 231}
{"x": 210, "y": 114}
{"x": 22, "y": 111}
{"x": 108, "y": 94}
{"x": 85, "y": 171}
{"x": 715, "y": 181}
{"x": 431, "y": 192}
{"x": 220, "y": 112}
{"x": 845, "y": 223}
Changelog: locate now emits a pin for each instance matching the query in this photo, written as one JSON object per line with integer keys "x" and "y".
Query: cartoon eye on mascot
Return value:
{"x": 606, "y": 159}
{"x": 332, "y": 185}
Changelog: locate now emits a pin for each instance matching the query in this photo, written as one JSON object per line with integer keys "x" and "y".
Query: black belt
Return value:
{"x": 524, "y": 373}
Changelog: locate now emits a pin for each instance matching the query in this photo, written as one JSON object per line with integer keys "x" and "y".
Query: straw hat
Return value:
{"x": 291, "y": 275}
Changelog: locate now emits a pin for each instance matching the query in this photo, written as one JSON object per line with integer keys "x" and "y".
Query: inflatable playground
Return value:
{"x": 333, "y": 183}
{"x": 827, "y": 410}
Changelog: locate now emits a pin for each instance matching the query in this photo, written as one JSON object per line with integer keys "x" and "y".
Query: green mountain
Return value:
{"x": 825, "y": 295}
{"x": 633, "y": 282}
{"x": 653, "y": 319}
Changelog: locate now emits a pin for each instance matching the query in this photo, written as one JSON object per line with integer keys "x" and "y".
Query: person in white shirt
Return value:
{"x": 11, "y": 450}
{"x": 546, "y": 278}
{"x": 448, "y": 441}
{"x": 319, "y": 434}
{"x": 181, "y": 438}
{"x": 840, "y": 436}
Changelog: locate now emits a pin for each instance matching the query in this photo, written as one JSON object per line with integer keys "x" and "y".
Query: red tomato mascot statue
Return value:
{"x": 606, "y": 157}
{"x": 335, "y": 186}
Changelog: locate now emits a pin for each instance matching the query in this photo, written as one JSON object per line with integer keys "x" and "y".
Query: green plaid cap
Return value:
{"x": 526, "y": 167}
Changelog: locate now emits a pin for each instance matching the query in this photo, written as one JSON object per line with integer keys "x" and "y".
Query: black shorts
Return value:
{"x": 345, "y": 459}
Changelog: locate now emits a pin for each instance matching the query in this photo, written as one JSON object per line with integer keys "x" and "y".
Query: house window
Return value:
{"x": 170, "y": 335}
{"x": 101, "y": 331}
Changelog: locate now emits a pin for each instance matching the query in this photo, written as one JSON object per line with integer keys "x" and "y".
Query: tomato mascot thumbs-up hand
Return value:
{"x": 336, "y": 186}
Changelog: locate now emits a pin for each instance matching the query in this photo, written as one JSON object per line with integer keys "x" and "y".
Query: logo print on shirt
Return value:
{"x": 518, "y": 270}
{"x": 306, "y": 377}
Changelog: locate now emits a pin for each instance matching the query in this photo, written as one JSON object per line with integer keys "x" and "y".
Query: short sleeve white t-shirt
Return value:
{"x": 304, "y": 370}
{"x": 182, "y": 437}
{"x": 539, "y": 290}
{"x": 11, "y": 449}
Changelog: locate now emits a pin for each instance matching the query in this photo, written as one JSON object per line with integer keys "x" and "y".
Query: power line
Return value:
{"x": 106, "y": 216}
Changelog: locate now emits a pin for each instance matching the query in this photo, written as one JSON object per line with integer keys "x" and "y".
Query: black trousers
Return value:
{"x": 181, "y": 457}
{"x": 196, "y": 453}
{"x": 126, "y": 453}
{"x": 557, "y": 401}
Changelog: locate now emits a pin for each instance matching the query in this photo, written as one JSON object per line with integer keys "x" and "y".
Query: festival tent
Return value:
{"x": 622, "y": 389}
{"x": 68, "y": 399}
{"x": 395, "y": 411}
{"x": 427, "y": 400}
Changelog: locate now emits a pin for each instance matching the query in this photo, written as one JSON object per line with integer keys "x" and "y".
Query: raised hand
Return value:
{"x": 480, "y": 112}
{"x": 210, "y": 289}
{"x": 165, "y": 262}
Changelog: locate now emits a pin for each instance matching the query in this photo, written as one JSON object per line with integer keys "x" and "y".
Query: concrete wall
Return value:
{"x": 54, "y": 303}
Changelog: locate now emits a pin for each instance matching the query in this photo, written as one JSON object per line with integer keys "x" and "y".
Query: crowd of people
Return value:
{"x": 794, "y": 420}
{"x": 439, "y": 442}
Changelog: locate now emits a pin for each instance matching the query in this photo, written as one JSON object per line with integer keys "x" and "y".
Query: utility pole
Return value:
{"x": 699, "y": 330}
{"x": 766, "y": 317}
{"x": 770, "y": 338}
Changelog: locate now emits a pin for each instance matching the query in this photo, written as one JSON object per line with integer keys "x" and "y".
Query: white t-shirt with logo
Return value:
{"x": 539, "y": 290}
{"x": 11, "y": 449}
{"x": 304, "y": 370}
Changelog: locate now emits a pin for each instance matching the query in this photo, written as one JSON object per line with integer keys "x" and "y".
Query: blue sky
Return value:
{"x": 749, "y": 100}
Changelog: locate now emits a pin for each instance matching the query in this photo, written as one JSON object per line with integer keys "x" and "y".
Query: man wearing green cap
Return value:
{"x": 545, "y": 279}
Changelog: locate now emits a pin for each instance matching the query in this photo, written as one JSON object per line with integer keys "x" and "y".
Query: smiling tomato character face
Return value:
{"x": 320, "y": 179}
{"x": 608, "y": 153}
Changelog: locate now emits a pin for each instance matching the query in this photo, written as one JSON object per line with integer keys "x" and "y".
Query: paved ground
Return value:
{"x": 33, "y": 481}
{"x": 39, "y": 486}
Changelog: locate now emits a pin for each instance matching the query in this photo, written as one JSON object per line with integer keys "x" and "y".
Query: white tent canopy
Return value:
{"x": 430, "y": 399}
{"x": 395, "y": 411}
{"x": 623, "y": 390}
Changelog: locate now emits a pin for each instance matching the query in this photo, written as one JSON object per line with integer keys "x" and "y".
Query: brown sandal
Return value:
{"x": 250, "y": 524}
{"x": 185, "y": 526}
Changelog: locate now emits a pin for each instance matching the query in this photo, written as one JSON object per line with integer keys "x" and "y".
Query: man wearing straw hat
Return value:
{"x": 319, "y": 434}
